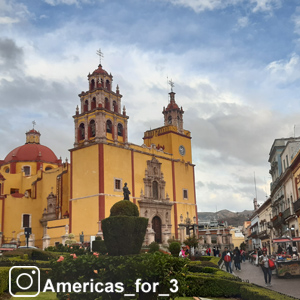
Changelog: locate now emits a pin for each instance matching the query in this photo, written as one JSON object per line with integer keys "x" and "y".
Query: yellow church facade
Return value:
{"x": 62, "y": 198}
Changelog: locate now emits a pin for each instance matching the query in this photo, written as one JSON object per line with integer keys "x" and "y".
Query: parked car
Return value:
{"x": 8, "y": 247}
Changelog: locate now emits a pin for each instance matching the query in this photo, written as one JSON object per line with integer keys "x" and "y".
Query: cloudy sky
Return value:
{"x": 235, "y": 65}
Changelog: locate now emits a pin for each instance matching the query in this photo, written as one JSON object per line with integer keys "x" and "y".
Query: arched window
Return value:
{"x": 93, "y": 103}
{"x": 155, "y": 189}
{"x": 81, "y": 132}
{"x": 169, "y": 120}
{"x": 108, "y": 126}
{"x": 120, "y": 129}
{"x": 48, "y": 168}
{"x": 92, "y": 85}
{"x": 115, "y": 106}
{"x": 27, "y": 170}
{"x": 108, "y": 85}
{"x": 107, "y": 106}
{"x": 86, "y": 106}
{"x": 92, "y": 129}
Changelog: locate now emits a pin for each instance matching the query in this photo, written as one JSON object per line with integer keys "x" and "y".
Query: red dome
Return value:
{"x": 172, "y": 106}
{"x": 100, "y": 71}
{"x": 31, "y": 152}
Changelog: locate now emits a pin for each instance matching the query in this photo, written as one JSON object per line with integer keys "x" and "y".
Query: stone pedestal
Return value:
{"x": 150, "y": 234}
{"x": 46, "y": 241}
{"x": 208, "y": 237}
{"x": 181, "y": 233}
{"x": 166, "y": 236}
{"x": 31, "y": 240}
{"x": 100, "y": 232}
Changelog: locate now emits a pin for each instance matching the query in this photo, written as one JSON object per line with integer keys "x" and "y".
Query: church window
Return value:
{"x": 115, "y": 106}
{"x": 26, "y": 220}
{"x": 169, "y": 120}
{"x": 155, "y": 189}
{"x": 86, "y": 106}
{"x": 120, "y": 130}
{"x": 185, "y": 194}
{"x": 93, "y": 104}
{"x": 6, "y": 170}
{"x": 48, "y": 168}
{"x": 107, "y": 106}
{"x": 108, "y": 85}
{"x": 108, "y": 126}
{"x": 92, "y": 84}
{"x": 118, "y": 185}
{"x": 13, "y": 191}
{"x": 26, "y": 170}
{"x": 178, "y": 121}
{"x": 92, "y": 128}
{"x": 81, "y": 132}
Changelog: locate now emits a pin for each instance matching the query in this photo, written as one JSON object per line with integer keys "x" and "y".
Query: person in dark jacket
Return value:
{"x": 237, "y": 258}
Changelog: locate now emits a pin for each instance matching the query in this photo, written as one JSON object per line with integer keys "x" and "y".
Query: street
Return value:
{"x": 255, "y": 275}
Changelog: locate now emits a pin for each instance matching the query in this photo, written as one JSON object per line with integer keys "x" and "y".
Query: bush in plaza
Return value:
{"x": 124, "y": 231}
{"x": 251, "y": 292}
{"x": 3, "y": 279}
{"x": 99, "y": 246}
{"x": 125, "y": 269}
{"x": 153, "y": 247}
{"x": 202, "y": 264}
{"x": 174, "y": 248}
{"x": 34, "y": 254}
{"x": 124, "y": 208}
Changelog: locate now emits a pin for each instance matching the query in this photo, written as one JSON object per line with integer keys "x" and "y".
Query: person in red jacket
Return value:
{"x": 208, "y": 251}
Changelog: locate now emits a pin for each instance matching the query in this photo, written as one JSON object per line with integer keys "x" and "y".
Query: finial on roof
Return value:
{"x": 100, "y": 54}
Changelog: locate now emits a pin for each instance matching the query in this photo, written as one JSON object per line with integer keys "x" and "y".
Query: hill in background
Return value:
{"x": 233, "y": 218}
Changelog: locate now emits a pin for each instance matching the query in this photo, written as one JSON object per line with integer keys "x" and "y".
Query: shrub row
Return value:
{"x": 3, "y": 279}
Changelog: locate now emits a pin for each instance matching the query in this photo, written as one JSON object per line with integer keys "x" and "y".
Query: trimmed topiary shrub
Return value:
{"x": 99, "y": 246}
{"x": 174, "y": 248}
{"x": 153, "y": 247}
{"x": 124, "y": 234}
{"x": 4, "y": 279}
{"x": 124, "y": 208}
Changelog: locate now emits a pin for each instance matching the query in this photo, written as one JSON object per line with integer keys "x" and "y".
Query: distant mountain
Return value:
{"x": 233, "y": 218}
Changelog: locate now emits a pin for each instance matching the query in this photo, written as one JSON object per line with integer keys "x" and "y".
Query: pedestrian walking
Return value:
{"x": 208, "y": 251}
{"x": 237, "y": 258}
{"x": 264, "y": 263}
{"x": 227, "y": 257}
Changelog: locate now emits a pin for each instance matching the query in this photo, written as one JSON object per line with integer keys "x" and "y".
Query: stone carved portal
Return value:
{"x": 154, "y": 205}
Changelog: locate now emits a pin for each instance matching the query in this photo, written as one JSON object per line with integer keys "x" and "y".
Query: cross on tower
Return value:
{"x": 100, "y": 54}
{"x": 171, "y": 83}
{"x": 33, "y": 124}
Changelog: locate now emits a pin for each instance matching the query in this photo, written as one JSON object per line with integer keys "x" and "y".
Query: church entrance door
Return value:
{"x": 156, "y": 226}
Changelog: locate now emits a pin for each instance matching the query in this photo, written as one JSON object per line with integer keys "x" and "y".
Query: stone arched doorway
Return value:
{"x": 156, "y": 226}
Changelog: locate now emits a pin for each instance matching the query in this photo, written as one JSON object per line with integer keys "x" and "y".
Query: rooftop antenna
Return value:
{"x": 100, "y": 54}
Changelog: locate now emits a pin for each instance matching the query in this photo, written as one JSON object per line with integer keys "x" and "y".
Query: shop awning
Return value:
{"x": 296, "y": 239}
{"x": 281, "y": 240}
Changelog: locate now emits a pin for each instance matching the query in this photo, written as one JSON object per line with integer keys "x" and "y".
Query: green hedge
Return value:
{"x": 124, "y": 208}
{"x": 174, "y": 248}
{"x": 203, "y": 264}
{"x": 3, "y": 279}
{"x": 99, "y": 246}
{"x": 251, "y": 292}
{"x": 124, "y": 235}
{"x": 34, "y": 254}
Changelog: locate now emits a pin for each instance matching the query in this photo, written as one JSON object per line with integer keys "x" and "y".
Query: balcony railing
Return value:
{"x": 297, "y": 205}
{"x": 278, "y": 221}
{"x": 286, "y": 213}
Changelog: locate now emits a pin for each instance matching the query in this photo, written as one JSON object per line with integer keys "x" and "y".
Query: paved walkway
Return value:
{"x": 255, "y": 275}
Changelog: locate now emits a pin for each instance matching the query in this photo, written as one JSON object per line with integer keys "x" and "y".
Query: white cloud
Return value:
{"x": 265, "y": 5}
{"x": 8, "y": 20}
{"x": 67, "y": 2}
{"x": 284, "y": 71}
{"x": 202, "y": 5}
{"x": 242, "y": 22}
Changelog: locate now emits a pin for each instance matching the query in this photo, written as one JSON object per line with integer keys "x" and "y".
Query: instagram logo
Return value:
{"x": 23, "y": 281}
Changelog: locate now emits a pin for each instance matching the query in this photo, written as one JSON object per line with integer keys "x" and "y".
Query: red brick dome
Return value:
{"x": 100, "y": 71}
{"x": 31, "y": 152}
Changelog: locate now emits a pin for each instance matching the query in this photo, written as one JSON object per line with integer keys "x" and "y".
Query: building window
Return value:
{"x": 26, "y": 170}
{"x": 13, "y": 191}
{"x": 26, "y": 220}
{"x": 287, "y": 161}
{"x": 120, "y": 130}
{"x": 108, "y": 126}
{"x": 6, "y": 170}
{"x": 92, "y": 129}
{"x": 48, "y": 168}
{"x": 81, "y": 132}
{"x": 118, "y": 185}
{"x": 185, "y": 194}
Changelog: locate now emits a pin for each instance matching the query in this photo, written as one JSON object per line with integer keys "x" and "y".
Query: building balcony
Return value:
{"x": 286, "y": 213}
{"x": 297, "y": 206}
{"x": 278, "y": 221}
{"x": 262, "y": 235}
{"x": 253, "y": 234}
